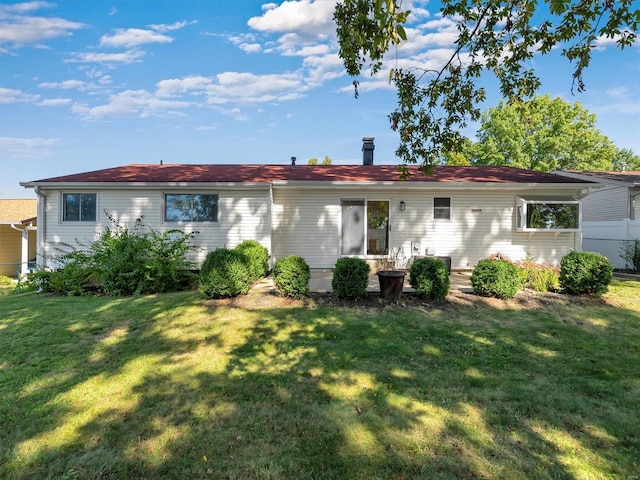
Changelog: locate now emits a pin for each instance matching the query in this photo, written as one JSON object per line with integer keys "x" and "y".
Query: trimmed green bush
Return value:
{"x": 350, "y": 278}
{"x": 225, "y": 273}
{"x": 496, "y": 278}
{"x": 430, "y": 278}
{"x": 257, "y": 256}
{"x": 291, "y": 276}
{"x": 585, "y": 272}
{"x": 5, "y": 281}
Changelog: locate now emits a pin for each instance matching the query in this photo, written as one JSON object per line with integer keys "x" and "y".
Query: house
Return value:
{"x": 17, "y": 235}
{"x": 610, "y": 214}
{"x": 323, "y": 212}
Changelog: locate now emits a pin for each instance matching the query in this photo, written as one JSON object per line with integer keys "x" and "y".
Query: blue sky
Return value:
{"x": 86, "y": 85}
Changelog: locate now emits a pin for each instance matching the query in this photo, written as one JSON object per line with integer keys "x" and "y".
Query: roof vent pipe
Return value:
{"x": 367, "y": 150}
{"x": 293, "y": 160}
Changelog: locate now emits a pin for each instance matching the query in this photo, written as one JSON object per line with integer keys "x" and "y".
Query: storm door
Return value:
{"x": 365, "y": 227}
{"x": 353, "y": 223}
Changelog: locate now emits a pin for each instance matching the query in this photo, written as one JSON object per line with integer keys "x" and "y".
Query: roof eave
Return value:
{"x": 146, "y": 185}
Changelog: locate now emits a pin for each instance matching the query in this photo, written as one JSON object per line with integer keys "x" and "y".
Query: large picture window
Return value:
{"x": 548, "y": 214}
{"x": 79, "y": 207}
{"x": 191, "y": 207}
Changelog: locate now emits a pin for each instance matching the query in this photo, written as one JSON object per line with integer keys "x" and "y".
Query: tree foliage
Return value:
{"x": 626, "y": 159}
{"x": 543, "y": 134}
{"x": 499, "y": 37}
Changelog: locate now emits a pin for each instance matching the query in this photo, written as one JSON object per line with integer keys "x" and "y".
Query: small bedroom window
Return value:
{"x": 442, "y": 208}
{"x": 79, "y": 207}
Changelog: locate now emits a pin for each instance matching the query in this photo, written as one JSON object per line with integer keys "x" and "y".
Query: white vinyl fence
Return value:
{"x": 607, "y": 237}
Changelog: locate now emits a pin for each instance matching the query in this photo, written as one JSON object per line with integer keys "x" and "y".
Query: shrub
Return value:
{"x": 122, "y": 261}
{"x": 430, "y": 278}
{"x": 225, "y": 273}
{"x": 541, "y": 278}
{"x": 291, "y": 276}
{"x": 630, "y": 253}
{"x": 350, "y": 278}
{"x": 257, "y": 256}
{"x": 585, "y": 272}
{"x": 5, "y": 281}
{"x": 496, "y": 278}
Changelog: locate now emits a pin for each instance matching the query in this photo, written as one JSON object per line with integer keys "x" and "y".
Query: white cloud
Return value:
{"x": 133, "y": 37}
{"x": 24, "y": 7}
{"x": 27, "y": 147}
{"x": 54, "y": 102}
{"x": 18, "y": 28}
{"x": 249, "y": 88}
{"x": 132, "y": 103}
{"x": 65, "y": 85}
{"x": 130, "y": 56}
{"x": 8, "y": 95}
{"x": 177, "y": 86}
{"x": 174, "y": 26}
{"x": 302, "y": 16}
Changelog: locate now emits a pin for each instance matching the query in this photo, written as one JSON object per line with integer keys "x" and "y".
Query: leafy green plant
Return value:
{"x": 630, "y": 253}
{"x": 225, "y": 273}
{"x": 496, "y": 278}
{"x": 257, "y": 256}
{"x": 122, "y": 261}
{"x": 430, "y": 278}
{"x": 585, "y": 272}
{"x": 541, "y": 278}
{"x": 350, "y": 278}
{"x": 291, "y": 276}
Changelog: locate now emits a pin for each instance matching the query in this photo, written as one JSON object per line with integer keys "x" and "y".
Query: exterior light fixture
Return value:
{"x": 402, "y": 205}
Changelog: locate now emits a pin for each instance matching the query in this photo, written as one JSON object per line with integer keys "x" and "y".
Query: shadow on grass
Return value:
{"x": 165, "y": 387}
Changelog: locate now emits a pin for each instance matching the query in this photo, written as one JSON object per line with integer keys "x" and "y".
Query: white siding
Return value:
{"x": 308, "y": 223}
{"x": 243, "y": 215}
{"x": 608, "y": 204}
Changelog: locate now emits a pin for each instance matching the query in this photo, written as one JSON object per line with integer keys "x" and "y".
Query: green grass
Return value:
{"x": 170, "y": 386}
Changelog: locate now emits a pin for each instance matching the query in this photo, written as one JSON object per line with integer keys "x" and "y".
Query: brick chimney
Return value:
{"x": 367, "y": 150}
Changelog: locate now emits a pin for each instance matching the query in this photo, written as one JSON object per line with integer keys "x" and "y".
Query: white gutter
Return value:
{"x": 431, "y": 185}
{"x": 147, "y": 185}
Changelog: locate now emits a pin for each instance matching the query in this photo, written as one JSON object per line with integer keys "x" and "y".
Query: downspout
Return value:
{"x": 41, "y": 237}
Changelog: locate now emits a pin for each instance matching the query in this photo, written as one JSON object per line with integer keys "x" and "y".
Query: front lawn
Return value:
{"x": 172, "y": 386}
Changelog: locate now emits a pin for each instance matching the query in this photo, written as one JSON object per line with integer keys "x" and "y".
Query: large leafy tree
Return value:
{"x": 543, "y": 134}
{"x": 495, "y": 36}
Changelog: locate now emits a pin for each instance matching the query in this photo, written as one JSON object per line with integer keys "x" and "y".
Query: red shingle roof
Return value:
{"x": 197, "y": 173}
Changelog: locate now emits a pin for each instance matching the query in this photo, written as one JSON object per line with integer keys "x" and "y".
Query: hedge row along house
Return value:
{"x": 323, "y": 213}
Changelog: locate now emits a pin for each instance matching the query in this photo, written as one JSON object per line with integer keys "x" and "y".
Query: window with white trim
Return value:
{"x": 550, "y": 213}
{"x": 442, "y": 208}
{"x": 79, "y": 207}
{"x": 190, "y": 207}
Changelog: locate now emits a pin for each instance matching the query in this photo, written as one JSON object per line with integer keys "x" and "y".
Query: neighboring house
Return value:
{"x": 610, "y": 214}
{"x": 17, "y": 235}
{"x": 323, "y": 212}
